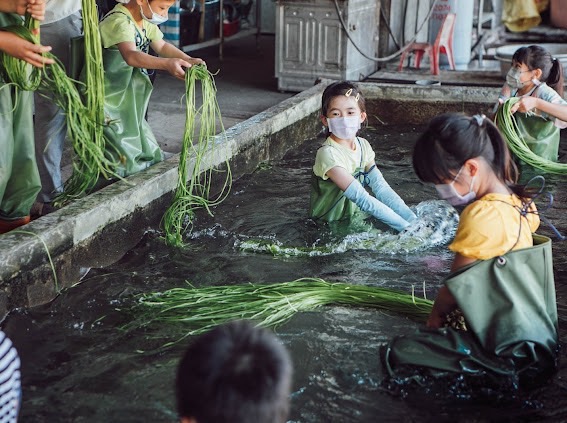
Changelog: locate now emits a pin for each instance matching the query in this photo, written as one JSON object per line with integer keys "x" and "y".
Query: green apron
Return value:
{"x": 540, "y": 135}
{"x": 327, "y": 200}
{"x": 511, "y": 314}
{"x": 19, "y": 177}
{"x": 130, "y": 139}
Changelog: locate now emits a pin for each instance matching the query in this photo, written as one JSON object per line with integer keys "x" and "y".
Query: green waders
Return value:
{"x": 19, "y": 177}
{"x": 540, "y": 135}
{"x": 130, "y": 139}
{"x": 327, "y": 200}
{"x": 511, "y": 314}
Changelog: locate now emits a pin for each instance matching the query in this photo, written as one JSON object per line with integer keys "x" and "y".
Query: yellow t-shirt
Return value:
{"x": 489, "y": 227}
{"x": 332, "y": 154}
{"x": 117, "y": 28}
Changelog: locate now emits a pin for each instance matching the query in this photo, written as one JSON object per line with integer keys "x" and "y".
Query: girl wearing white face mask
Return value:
{"x": 501, "y": 287}
{"x": 127, "y": 32}
{"x": 537, "y": 78}
{"x": 468, "y": 161}
{"x": 346, "y": 163}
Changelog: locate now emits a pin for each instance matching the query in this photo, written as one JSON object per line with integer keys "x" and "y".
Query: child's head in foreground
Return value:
{"x": 235, "y": 373}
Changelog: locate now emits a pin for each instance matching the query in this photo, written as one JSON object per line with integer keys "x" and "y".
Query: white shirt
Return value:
{"x": 56, "y": 10}
{"x": 10, "y": 385}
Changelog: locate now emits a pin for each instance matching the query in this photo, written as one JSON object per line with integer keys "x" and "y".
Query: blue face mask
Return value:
{"x": 155, "y": 19}
{"x": 448, "y": 192}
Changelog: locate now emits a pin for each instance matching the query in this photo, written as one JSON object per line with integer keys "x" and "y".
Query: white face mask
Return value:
{"x": 344, "y": 127}
{"x": 448, "y": 192}
{"x": 513, "y": 79}
{"x": 155, "y": 19}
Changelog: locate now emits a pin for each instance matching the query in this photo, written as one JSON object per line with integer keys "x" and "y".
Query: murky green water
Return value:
{"x": 79, "y": 366}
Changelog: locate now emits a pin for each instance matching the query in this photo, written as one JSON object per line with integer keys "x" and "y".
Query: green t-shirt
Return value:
{"x": 118, "y": 26}
{"x": 332, "y": 154}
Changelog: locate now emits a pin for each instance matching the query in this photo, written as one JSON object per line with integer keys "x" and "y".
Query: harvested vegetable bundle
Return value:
{"x": 190, "y": 197}
{"x": 271, "y": 304}
{"x": 85, "y": 120}
{"x": 507, "y": 124}
{"x": 16, "y": 71}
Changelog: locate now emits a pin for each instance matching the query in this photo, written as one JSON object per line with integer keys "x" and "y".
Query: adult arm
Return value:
{"x": 18, "y": 47}
{"x": 24, "y": 50}
{"x": 35, "y": 7}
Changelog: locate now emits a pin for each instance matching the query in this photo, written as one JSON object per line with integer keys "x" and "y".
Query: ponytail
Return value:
{"x": 555, "y": 79}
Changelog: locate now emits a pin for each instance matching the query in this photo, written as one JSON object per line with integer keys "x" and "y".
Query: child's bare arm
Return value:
{"x": 443, "y": 305}
{"x": 340, "y": 177}
{"x": 445, "y": 302}
{"x": 164, "y": 49}
{"x": 138, "y": 59}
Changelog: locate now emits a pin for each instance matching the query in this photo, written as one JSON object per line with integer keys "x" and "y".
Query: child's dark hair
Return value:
{"x": 235, "y": 373}
{"x": 536, "y": 57}
{"x": 341, "y": 88}
{"x": 453, "y": 138}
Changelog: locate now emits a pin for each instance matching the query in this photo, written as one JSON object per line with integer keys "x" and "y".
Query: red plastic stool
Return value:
{"x": 443, "y": 44}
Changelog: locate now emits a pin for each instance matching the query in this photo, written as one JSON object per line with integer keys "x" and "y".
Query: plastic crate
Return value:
{"x": 230, "y": 28}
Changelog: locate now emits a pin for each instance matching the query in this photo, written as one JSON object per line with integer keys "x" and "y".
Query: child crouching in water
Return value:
{"x": 345, "y": 164}
{"x": 127, "y": 32}
{"x": 502, "y": 274}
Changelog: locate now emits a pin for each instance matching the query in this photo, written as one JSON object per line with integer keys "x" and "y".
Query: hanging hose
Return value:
{"x": 391, "y": 56}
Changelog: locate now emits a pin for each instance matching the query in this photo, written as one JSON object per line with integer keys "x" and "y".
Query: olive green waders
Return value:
{"x": 511, "y": 315}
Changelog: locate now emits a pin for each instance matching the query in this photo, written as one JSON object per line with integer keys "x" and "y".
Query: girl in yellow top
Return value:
{"x": 468, "y": 161}
{"x": 501, "y": 281}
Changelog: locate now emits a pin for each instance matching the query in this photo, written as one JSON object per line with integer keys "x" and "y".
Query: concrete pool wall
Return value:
{"x": 97, "y": 230}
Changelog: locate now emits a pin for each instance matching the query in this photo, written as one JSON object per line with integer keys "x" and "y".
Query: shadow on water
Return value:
{"x": 79, "y": 365}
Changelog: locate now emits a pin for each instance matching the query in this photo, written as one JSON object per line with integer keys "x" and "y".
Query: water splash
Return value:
{"x": 435, "y": 225}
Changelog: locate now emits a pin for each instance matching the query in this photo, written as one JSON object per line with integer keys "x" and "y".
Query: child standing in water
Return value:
{"x": 127, "y": 32}
{"x": 537, "y": 78}
{"x": 345, "y": 164}
{"x": 501, "y": 276}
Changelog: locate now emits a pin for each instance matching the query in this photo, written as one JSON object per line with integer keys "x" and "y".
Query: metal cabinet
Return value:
{"x": 312, "y": 43}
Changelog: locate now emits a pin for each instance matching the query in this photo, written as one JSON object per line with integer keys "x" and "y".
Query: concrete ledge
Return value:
{"x": 98, "y": 229}
{"x": 26, "y": 276}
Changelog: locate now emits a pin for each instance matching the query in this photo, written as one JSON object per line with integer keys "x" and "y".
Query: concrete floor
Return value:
{"x": 245, "y": 82}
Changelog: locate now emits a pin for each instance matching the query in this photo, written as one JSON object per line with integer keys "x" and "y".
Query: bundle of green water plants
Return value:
{"x": 270, "y": 305}
{"x": 193, "y": 190}
{"x": 509, "y": 128}
{"x": 84, "y": 111}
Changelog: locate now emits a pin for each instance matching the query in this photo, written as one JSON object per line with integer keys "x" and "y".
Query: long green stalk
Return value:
{"x": 189, "y": 197}
{"x": 271, "y": 305}
{"x": 86, "y": 120}
{"x": 507, "y": 124}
